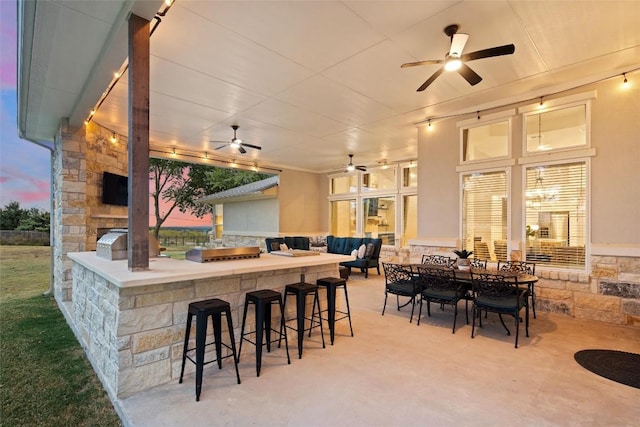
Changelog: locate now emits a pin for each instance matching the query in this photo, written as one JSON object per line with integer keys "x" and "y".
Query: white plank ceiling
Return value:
{"x": 312, "y": 81}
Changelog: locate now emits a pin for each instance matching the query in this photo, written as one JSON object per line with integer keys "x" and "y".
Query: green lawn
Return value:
{"x": 45, "y": 378}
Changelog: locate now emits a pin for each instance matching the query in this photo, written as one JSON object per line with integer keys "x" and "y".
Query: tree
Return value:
{"x": 181, "y": 184}
{"x": 13, "y": 217}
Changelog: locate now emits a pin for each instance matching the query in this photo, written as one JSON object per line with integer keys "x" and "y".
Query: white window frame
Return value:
{"x": 503, "y": 116}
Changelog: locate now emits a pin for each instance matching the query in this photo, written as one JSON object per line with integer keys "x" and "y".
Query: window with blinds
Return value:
{"x": 555, "y": 213}
{"x": 484, "y": 214}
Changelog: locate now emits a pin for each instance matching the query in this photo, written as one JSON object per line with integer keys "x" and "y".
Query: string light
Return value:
{"x": 625, "y": 83}
{"x": 118, "y": 74}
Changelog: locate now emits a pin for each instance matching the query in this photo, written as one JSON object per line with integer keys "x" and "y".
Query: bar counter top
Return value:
{"x": 168, "y": 270}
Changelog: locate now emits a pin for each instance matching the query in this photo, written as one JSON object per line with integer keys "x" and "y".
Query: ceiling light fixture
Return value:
{"x": 429, "y": 128}
{"x": 452, "y": 63}
{"x": 625, "y": 83}
{"x": 114, "y": 138}
{"x": 541, "y": 104}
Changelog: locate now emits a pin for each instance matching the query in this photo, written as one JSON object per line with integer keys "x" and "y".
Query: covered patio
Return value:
{"x": 111, "y": 84}
{"x": 393, "y": 373}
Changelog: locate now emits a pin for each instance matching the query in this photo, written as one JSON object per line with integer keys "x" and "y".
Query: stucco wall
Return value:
{"x": 299, "y": 194}
{"x": 615, "y": 173}
{"x": 251, "y": 216}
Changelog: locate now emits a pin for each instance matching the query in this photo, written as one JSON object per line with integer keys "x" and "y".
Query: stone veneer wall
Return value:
{"x": 610, "y": 293}
{"x": 79, "y": 158}
{"x": 134, "y": 336}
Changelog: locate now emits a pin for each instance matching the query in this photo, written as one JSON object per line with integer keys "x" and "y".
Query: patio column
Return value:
{"x": 138, "y": 236}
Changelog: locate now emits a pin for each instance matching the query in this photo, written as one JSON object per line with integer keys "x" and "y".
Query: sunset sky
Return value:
{"x": 25, "y": 167}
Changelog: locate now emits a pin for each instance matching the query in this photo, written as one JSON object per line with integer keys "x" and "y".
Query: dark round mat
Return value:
{"x": 618, "y": 366}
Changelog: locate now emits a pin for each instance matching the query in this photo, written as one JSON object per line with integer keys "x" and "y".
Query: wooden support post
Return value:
{"x": 138, "y": 236}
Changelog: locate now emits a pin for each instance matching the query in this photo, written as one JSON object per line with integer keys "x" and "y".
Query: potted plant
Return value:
{"x": 463, "y": 259}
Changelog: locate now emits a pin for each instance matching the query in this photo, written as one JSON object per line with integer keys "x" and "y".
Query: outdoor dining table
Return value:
{"x": 464, "y": 276}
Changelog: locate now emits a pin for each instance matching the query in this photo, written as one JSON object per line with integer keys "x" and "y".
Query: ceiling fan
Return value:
{"x": 454, "y": 60}
{"x": 236, "y": 142}
{"x": 351, "y": 167}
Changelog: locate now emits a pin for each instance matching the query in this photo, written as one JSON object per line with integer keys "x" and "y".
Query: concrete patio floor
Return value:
{"x": 393, "y": 373}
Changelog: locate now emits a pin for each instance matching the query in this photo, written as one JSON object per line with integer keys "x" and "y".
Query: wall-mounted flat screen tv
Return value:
{"x": 115, "y": 189}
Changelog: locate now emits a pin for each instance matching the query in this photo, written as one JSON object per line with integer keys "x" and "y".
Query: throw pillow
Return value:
{"x": 354, "y": 253}
{"x": 362, "y": 250}
{"x": 275, "y": 246}
{"x": 284, "y": 247}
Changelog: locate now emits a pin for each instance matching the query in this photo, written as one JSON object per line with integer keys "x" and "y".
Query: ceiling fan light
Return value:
{"x": 453, "y": 64}
{"x": 350, "y": 168}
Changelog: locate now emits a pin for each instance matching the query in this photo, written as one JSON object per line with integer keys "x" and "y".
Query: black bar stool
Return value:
{"x": 332, "y": 284}
{"x": 202, "y": 310}
{"x": 262, "y": 300}
{"x": 300, "y": 291}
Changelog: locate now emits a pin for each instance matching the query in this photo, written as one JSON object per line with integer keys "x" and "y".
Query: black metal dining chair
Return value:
{"x": 401, "y": 282}
{"x": 439, "y": 285}
{"x": 497, "y": 293}
{"x": 438, "y": 260}
{"x": 525, "y": 267}
{"x": 478, "y": 263}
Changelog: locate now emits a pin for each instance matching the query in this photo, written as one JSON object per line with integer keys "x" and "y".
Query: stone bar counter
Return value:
{"x": 131, "y": 324}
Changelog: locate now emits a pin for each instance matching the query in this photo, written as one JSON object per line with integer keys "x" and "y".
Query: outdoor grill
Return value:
{"x": 113, "y": 245}
{"x": 222, "y": 254}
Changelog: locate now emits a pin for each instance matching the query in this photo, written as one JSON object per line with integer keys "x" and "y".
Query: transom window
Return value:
{"x": 486, "y": 140}
{"x": 557, "y": 129}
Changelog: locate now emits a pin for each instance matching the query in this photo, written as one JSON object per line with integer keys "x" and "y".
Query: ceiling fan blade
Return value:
{"x": 415, "y": 64}
{"x": 469, "y": 75}
{"x": 251, "y": 146}
{"x": 241, "y": 149}
{"x": 222, "y": 146}
{"x": 507, "y": 49}
{"x": 430, "y": 80}
{"x": 361, "y": 168}
{"x": 458, "y": 41}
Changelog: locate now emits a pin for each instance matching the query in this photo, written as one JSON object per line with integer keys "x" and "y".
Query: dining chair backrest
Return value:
{"x": 478, "y": 263}
{"x": 438, "y": 260}
{"x": 493, "y": 285}
{"x": 518, "y": 266}
{"x": 397, "y": 273}
{"x": 436, "y": 277}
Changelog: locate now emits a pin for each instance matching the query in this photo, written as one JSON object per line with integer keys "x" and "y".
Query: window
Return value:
{"x": 409, "y": 218}
{"x": 486, "y": 141}
{"x": 379, "y": 179}
{"x": 409, "y": 176}
{"x": 379, "y": 205}
{"x": 379, "y": 218}
{"x": 560, "y": 128}
{"x": 344, "y": 184}
{"x": 343, "y": 218}
{"x": 484, "y": 214}
{"x": 555, "y": 214}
